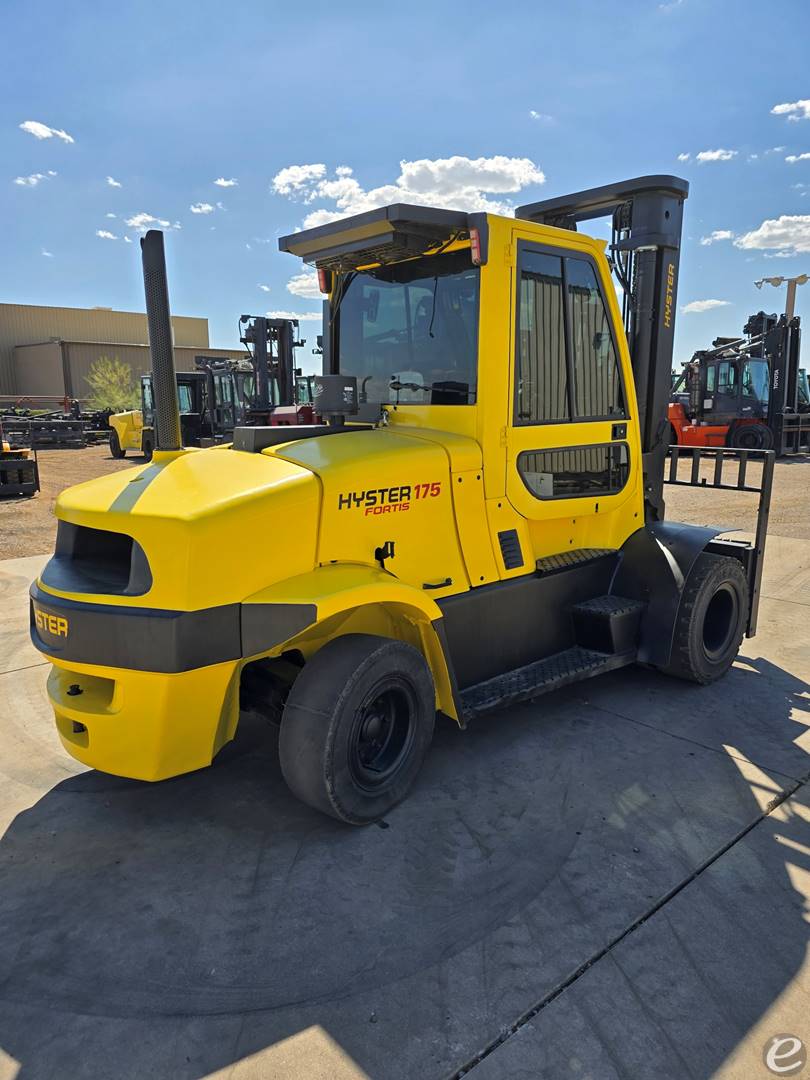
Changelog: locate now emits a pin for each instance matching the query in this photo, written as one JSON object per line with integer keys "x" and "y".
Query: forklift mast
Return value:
{"x": 647, "y": 219}
{"x": 273, "y": 343}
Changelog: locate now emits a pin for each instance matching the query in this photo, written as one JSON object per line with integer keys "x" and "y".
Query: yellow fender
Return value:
{"x": 361, "y": 599}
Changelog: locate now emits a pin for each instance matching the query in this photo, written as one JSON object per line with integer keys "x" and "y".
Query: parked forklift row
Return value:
{"x": 264, "y": 387}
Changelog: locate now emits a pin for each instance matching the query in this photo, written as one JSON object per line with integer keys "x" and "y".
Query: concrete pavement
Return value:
{"x": 612, "y": 881}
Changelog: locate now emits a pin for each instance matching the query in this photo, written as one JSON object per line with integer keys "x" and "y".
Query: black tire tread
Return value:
{"x": 309, "y": 721}
{"x": 706, "y": 568}
{"x": 115, "y": 446}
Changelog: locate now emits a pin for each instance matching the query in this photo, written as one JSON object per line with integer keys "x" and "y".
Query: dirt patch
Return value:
{"x": 790, "y": 499}
{"x": 27, "y": 525}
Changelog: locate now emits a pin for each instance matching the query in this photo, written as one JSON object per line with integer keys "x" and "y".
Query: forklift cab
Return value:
{"x": 193, "y": 397}
{"x": 726, "y": 389}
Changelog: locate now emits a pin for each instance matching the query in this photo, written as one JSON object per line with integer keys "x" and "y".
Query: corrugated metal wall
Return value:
{"x": 39, "y": 368}
{"x": 28, "y": 324}
{"x": 42, "y": 365}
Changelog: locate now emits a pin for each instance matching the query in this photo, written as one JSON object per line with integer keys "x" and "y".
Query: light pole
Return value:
{"x": 791, "y": 282}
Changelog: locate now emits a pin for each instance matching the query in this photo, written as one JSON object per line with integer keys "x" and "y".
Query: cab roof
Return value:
{"x": 390, "y": 234}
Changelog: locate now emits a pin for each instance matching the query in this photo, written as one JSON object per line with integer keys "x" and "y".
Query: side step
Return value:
{"x": 568, "y": 666}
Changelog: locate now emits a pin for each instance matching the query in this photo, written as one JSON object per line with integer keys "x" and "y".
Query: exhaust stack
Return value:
{"x": 161, "y": 346}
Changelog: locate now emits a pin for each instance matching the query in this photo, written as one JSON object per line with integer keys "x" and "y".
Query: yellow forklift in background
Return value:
{"x": 479, "y": 521}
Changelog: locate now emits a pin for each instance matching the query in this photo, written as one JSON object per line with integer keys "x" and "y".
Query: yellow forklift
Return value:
{"x": 480, "y": 519}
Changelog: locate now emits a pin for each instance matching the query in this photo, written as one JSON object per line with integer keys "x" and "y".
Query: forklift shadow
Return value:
{"x": 174, "y": 929}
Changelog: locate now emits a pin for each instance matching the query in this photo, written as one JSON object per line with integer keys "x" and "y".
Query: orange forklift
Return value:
{"x": 747, "y": 392}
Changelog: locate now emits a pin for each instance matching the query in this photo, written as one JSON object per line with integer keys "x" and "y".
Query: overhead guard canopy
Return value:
{"x": 565, "y": 211}
{"x": 387, "y": 235}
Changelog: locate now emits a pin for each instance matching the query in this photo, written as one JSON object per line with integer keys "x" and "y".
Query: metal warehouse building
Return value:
{"x": 48, "y": 351}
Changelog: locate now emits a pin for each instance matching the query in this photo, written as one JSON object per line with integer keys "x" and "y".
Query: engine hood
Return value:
{"x": 215, "y": 525}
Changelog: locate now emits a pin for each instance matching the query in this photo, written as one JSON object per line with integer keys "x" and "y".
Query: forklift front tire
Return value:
{"x": 711, "y": 620}
{"x": 750, "y": 437}
{"x": 356, "y": 727}
{"x": 115, "y": 445}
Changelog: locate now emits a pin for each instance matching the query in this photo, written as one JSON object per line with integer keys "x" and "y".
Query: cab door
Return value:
{"x": 573, "y": 461}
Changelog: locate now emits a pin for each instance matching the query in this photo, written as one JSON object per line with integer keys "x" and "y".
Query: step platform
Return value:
{"x": 523, "y": 684}
{"x": 606, "y": 632}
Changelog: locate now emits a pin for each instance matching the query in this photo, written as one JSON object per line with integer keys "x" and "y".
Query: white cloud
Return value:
{"x": 297, "y": 178}
{"x": 201, "y": 208}
{"x": 104, "y": 234}
{"x": 47, "y": 254}
{"x": 143, "y": 221}
{"x": 220, "y": 206}
{"x": 113, "y": 182}
{"x": 458, "y": 183}
{"x": 111, "y": 215}
{"x": 127, "y": 240}
{"x": 222, "y": 182}
{"x": 302, "y": 317}
{"x": 684, "y": 157}
{"x": 544, "y": 117}
{"x": 791, "y": 159}
{"x": 716, "y": 155}
{"x": 42, "y": 131}
{"x": 264, "y": 288}
{"x": 718, "y": 234}
{"x": 776, "y": 150}
{"x": 703, "y": 305}
{"x": 34, "y": 178}
{"x": 788, "y": 234}
{"x": 793, "y": 110}
{"x": 305, "y": 285}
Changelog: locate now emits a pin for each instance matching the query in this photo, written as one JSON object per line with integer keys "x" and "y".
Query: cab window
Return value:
{"x": 726, "y": 378}
{"x": 184, "y": 395}
{"x": 567, "y": 365}
{"x": 597, "y": 385}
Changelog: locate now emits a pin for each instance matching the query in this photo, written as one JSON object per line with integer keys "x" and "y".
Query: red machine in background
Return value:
{"x": 745, "y": 392}
{"x": 281, "y": 394}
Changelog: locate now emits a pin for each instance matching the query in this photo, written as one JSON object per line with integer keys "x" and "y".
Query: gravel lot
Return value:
{"x": 27, "y": 526}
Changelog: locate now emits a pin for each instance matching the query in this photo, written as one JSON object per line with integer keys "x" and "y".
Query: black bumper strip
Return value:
{"x": 154, "y": 639}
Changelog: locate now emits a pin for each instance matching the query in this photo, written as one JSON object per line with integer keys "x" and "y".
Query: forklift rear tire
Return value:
{"x": 147, "y": 449}
{"x": 711, "y": 621}
{"x": 750, "y": 437}
{"x": 356, "y": 727}
{"x": 115, "y": 445}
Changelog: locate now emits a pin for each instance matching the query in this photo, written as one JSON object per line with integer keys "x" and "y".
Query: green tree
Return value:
{"x": 112, "y": 385}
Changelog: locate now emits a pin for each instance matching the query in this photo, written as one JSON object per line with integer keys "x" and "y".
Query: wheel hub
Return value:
{"x": 382, "y": 736}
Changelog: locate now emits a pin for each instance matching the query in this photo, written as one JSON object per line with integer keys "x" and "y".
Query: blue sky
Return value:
{"x": 167, "y": 98}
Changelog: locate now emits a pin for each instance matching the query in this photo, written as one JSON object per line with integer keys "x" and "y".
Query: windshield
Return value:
{"x": 410, "y": 332}
{"x": 756, "y": 379}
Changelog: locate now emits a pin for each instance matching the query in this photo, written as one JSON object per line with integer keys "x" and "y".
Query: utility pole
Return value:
{"x": 791, "y": 282}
